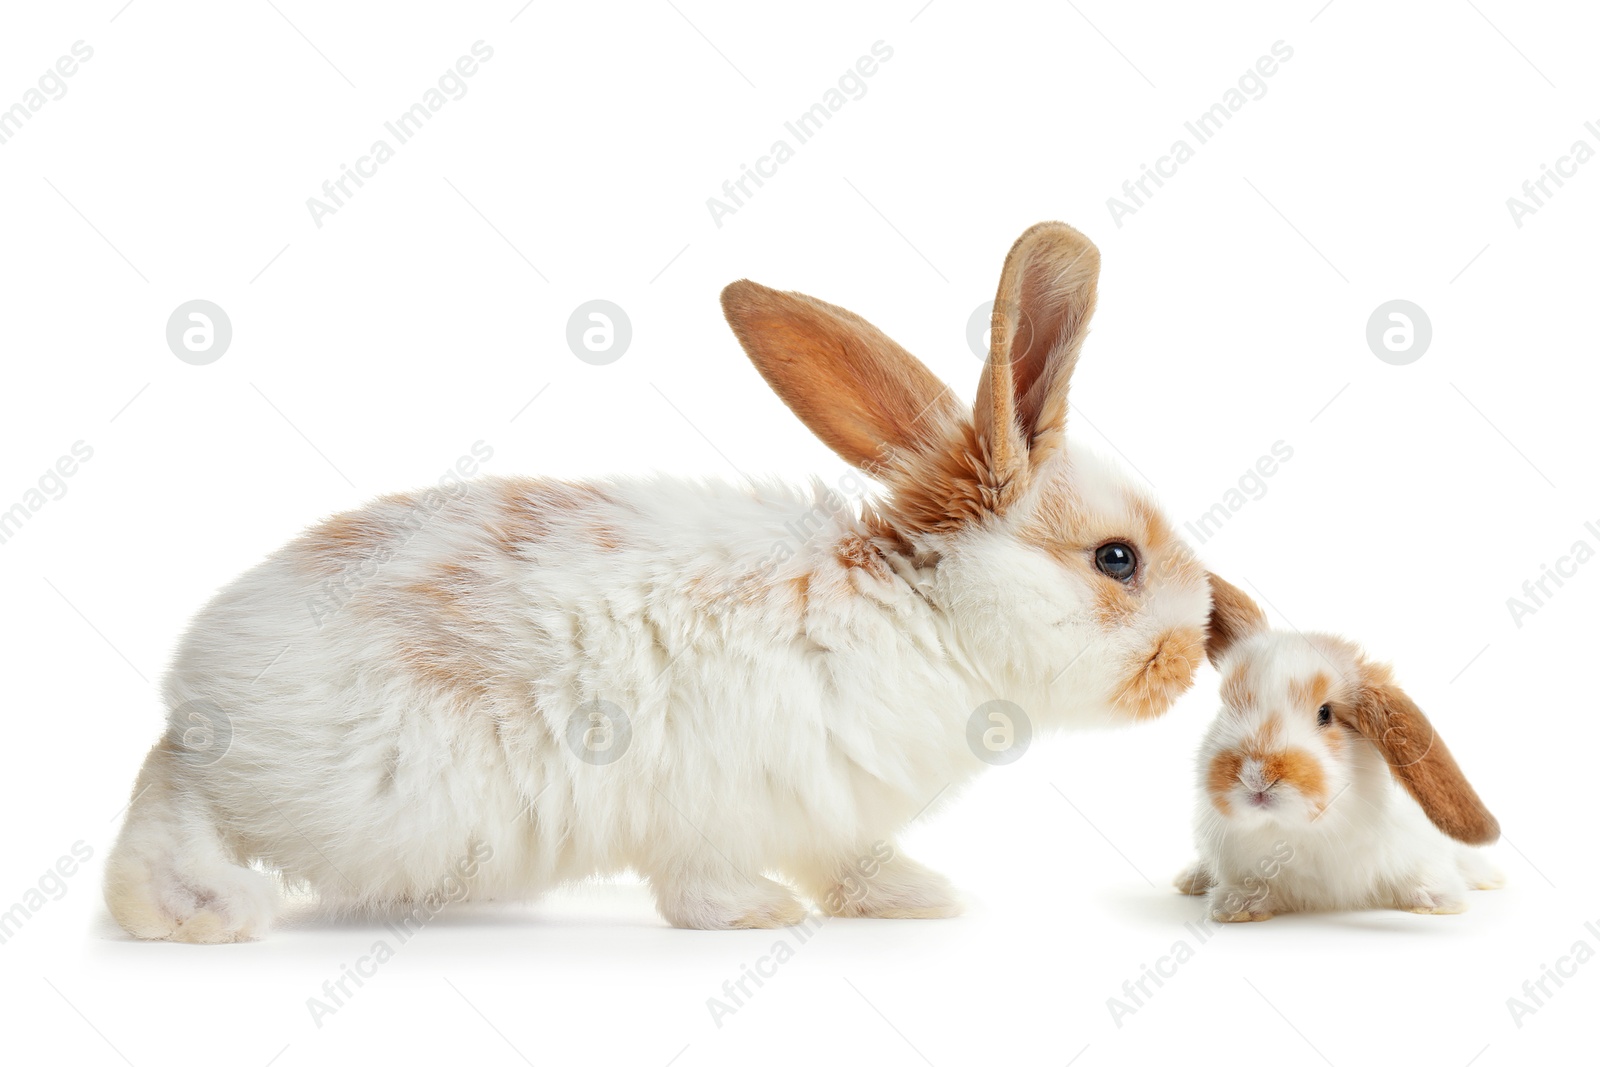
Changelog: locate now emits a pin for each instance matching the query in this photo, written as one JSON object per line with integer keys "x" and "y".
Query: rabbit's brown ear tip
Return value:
{"x": 1471, "y": 824}
{"x": 1061, "y": 233}
{"x": 742, "y": 296}
{"x": 1234, "y": 616}
{"x": 1049, "y": 226}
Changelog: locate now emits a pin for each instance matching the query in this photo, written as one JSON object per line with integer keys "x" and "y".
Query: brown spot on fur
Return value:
{"x": 1236, "y": 692}
{"x": 535, "y": 509}
{"x": 856, "y": 552}
{"x": 716, "y": 591}
{"x": 445, "y": 641}
{"x": 351, "y": 537}
{"x": 1233, "y": 616}
{"x": 713, "y": 594}
{"x": 1057, "y": 512}
{"x": 1220, "y": 778}
{"x": 1058, "y": 525}
{"x": 1159, "y": 542}
{"x": 353, "y": 533}
{"x": 1113, "y": 605}
{"x": 1161, "y": 677}
{"x": 446, "y": 586}
{"x": 1311, "y": 693}
{"x": 1261, "y": 744}
{"x": 1298, "y": 768}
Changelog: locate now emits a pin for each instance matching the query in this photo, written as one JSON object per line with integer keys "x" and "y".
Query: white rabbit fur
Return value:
{"x": 793, "y": 701}
{"x": 1299, "y": 814}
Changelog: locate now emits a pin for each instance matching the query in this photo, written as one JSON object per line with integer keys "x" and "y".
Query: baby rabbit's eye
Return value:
{"x": 1325, "y": 715}
{"x": 1114, "y": 559}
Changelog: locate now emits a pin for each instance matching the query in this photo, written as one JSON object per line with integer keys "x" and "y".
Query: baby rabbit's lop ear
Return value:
{"x": 1418, "y": 758}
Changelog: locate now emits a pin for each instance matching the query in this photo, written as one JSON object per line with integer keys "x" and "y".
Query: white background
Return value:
{"x": 370, "y": 353}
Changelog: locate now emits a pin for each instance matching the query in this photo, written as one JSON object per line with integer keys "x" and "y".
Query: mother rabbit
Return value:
{"x": 559, "y": 680}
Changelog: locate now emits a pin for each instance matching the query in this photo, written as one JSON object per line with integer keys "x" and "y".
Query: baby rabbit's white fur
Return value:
{"x": 707, "y": 684}
{"x": 1322, "y": 787}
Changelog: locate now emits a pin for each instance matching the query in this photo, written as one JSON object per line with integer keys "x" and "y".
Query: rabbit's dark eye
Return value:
{"x": 1116, "y": 560}
{"x": 1325, "y": 715}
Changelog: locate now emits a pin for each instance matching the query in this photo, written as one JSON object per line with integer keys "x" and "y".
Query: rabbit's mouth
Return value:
{"x": 1161, "y": 676}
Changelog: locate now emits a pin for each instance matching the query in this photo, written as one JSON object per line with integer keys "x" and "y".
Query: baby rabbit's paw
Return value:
{"x": 1194, "y": 880}
{"x": 1478, "y": 871}
{"x": 1425, "y": 900}
{"x": 1236, "y": 904}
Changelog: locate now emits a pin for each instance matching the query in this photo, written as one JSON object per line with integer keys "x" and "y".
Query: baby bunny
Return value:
{"x": 1323, "y": 787}
{"x": 527, "y": 682}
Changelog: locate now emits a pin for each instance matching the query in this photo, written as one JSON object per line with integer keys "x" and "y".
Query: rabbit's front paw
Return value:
{"x": 205, "y": 905}
{"x": 1424, "y": 900}
{"x": 1235, "y": 904}
{"x": 885, "y": 885}
{"x": 753, "y": 903}
{"x": 1194, "y": 880}
{"x": 1478, "y": 872}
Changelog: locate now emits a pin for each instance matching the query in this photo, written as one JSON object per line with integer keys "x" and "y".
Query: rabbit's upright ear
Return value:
{"x": 1041, "y": 315}
{"x": 857, "y": 390}
{"x": 1234, "y": 616}
{"x": 1418, "y": 758}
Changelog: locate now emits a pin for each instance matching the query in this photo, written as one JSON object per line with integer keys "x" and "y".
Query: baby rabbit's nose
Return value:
{"x": 1254, "y": 776}
{"x": 1251, "y": 776}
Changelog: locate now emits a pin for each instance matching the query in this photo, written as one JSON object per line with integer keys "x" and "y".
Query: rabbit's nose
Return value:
{"x": 1252, "y": 775}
